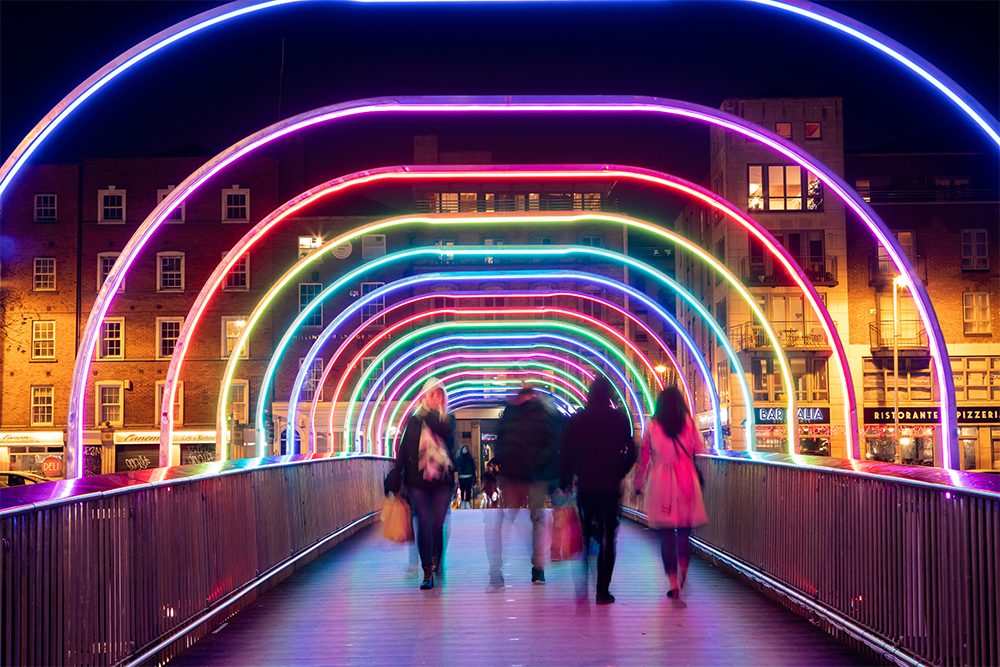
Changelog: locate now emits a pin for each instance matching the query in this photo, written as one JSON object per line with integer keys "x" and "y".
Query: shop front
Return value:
{"x": 919, "y": 433}
{"x": 140, "y": 450}
{"x": 815, "y": 432}
{"x": 39, "y": 452}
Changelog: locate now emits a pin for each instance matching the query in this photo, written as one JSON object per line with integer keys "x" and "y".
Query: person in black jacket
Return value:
{"x": 424, "y": 466}
{"x": 465, "y": 466}
{"x": 598, "y": 448}
{"x": 526, "y": 455}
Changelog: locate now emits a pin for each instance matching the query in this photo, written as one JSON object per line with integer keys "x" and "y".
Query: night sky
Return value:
{"x": 206, "y": 93}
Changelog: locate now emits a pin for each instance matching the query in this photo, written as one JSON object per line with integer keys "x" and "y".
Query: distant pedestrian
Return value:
{"x": 598, "y": 449}
{"x": 526, "y": 454}
{"x": 491, "y": 493}
{"x": 465, "y": 466}
{"x": 424, "y": 466}
{"x": 672, "y": 492}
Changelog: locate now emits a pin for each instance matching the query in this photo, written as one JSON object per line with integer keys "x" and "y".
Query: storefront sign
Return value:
{"x": 52, "y": 466}
{"x": 806, "y": 415}
{"x": 153, "y": 437}
{"x": 932, "y": 415}
{"x": 49, "y": 438}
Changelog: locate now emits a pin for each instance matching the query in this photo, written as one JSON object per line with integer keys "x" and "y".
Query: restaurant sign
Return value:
{"x": 806, "y": 415}
{"x": 973, "y": 414}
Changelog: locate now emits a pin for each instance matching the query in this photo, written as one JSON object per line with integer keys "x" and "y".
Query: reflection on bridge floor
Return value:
{"x": 358, "y": 604}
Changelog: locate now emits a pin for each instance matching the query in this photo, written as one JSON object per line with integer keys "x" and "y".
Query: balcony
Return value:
{"x": 763, "y": 273}
{"x": 543, "y": 203}
{"x": 881, "y": 270}
{"x": 912, "y": 337}
{"x": 751, "y": 336}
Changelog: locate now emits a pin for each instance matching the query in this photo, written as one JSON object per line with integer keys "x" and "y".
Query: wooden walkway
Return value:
{"x": 359, "y": 605}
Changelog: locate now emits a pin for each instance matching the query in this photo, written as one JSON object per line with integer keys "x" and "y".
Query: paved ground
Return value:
{"x": 360, "y": 605}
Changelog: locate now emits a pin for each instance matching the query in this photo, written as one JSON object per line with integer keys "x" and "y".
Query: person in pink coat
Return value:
{"x": 668, "y": 481}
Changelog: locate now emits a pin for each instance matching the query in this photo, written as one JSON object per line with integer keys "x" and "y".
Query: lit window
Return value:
{"x": 864, "y": 188}
{"x": 110, "y": 398}
{"x": 176, "y": 215}
{"x": 372, "y": 246}
{"x": 236, "y": 204}
{"x": 178, "y": 403}
{"x": 238, "y": 403}
{"x": 112, "y": 338}
{"x": 814, "y": 131}
{"x": 311, "y": 388}
{"x": 976, "y": 313}
{"x": 111, "y": 206}
{"x": 44, "y": 274}
{"x": 105, "y": 261}
{"x": 975, "y": 253}
{"x": 307, "y": 293}
{"x": 468, "y": 202}
{"x": 170, "y": 272}
{"x": 976, "y": 378}
{"x": 168, "y": 330}
{"x": 309, "y": 243}
{"x": 232, "y": 328}
{"x": 781, "y": 187}
{"x": 45, "y": 208}
{"x": 371, "y": 309}
{"x": 42, "y": 405}
{"x": 448, "y": 202}
{"x": 783, "y": 130}
{"x": 43, "y": 339}
{"x": 238, "y": 278}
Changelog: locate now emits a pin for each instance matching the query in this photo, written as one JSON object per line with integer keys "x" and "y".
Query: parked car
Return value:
{"x": 9, "y": 478}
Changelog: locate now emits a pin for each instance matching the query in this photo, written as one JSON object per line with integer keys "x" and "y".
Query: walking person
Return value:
{"x": 424, "y": 466}
{"x": 598, "y": 449}
{"x": 526, "y": 456}
{"x": 672, "y": 492}
{"x": 465, "y": 466}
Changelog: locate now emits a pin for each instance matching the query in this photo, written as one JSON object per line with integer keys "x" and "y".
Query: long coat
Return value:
{"x": 668, "y": 479}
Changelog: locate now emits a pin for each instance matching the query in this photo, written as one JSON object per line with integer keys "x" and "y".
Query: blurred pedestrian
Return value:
{"x": 491, "y": 493}
{"x": 672, "y": 493}
{"x": 526, "y": 455}
{"x": 598, "y": 449}
{"x": 465, "y": 465}
{"x": 424, "y": 466}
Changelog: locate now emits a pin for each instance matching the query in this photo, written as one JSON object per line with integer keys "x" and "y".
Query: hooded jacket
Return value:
{"x": 527, "y": 441}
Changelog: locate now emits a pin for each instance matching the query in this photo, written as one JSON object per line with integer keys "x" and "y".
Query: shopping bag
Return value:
{"x": 397, "y": 524}
{"x": 567, "y": 537}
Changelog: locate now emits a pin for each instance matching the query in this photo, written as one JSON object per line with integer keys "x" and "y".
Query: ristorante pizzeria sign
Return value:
{"x": 985, "y": 414}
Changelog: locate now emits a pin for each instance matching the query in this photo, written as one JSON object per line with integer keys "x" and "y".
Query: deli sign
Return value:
{"x": 972, "y": 414}
{"x": 806, "y": 415}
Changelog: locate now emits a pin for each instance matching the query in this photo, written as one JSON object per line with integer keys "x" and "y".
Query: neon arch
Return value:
{"x": 407, "y": 361}
{"x": 576, "y": 172}
{"x": 557, "y": 251}
{"x": 683, "y": 110}
{"x": 479, "y": 395}
{"x": 841, "y": 23}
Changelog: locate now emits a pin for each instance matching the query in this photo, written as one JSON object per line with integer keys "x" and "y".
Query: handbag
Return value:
{"x": 567, "y": 536}
{"x": 701, "y": 478}
{"x": 397, "y": 522}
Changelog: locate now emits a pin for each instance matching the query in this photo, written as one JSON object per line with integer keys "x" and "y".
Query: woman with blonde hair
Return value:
{"x": 672, "y": 498}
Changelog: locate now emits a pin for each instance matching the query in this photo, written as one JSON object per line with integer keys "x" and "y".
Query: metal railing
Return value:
{"x": 898, "y": 560}
{"x": 820, "y": 270}
{"x": 912, "y": 335}
{"x": 881, "y": 270}
{"x": 512, "y": 205}
{"x": 134, "y": 567}
{"x": 792, "y": 335}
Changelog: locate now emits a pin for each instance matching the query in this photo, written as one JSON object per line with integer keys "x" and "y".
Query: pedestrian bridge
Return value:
{"x": 277, "y": 561}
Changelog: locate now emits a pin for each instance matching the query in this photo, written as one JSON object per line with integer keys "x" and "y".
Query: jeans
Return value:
{"x": 516, "y": 494}
{"x": 430, "y": 507}
{"x": 599, "y": 516}
{"x": 675, "y": 545}
{"x": 465, "y": 483}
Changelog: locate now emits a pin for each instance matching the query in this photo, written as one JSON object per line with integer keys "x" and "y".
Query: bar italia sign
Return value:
{"x": 966, "y": 415}
{"x": 806, "y": 415}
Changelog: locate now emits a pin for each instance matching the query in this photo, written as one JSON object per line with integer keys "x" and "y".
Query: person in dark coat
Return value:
{"x": 424, "y": 466}
{"x": 598, "y": 449}
{"x": 465, "y": 466}
{"x": 526, "y": 455}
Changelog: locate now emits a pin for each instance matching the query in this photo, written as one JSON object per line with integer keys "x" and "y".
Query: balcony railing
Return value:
{"x": 791, "y": 335}
{"x": 912, "y": 335}
{"x": 500, "y": 206}
{"x": 819, "y": 270}
{"x": 881, "y": 270}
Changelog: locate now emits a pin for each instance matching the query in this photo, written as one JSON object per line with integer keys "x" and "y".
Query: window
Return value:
{"x": 168, "y": 330}
{"x": 42, "y": 405}
{"x": 864, "y": 188}
{"x": 722, "y": 381}
{"x": 492, "y": 242}
{"x": 783, "y": 130}
{"x": 238, "y": 278}
{"x": 176, "y": 215}
{"x": 105, "y": 261}
{"x": 178, "y": 403}
{"x": 809, "y": 377}
{"x": 915, "y": 383}
{"x": 236, "y": 204}
{"x": 311, "y": 384}
{"x": 372, "y": 246}
{"x": 975, "y": 256}
{"x": 445, "y": 243}
{"x": 371, "y": 310}
{"x": 45, "y": 208}
{"x": 112, "y": 338}
{"x": 375, "y": 375}
{"x": 169, "y": 272}
{"x": 43, "y": 339}
{"x": 448, "y": 202}
{"x": 307, "y": 293}
{"x": 44, "y": 274}
{"x": 109, "y": 402}
{"x": 307, "y": 244}
{"x": 111, "y": 206}
{"x": 232, "y": 327}
{"x": 951, "y": 189}
{"x": 239, "y": 405}
{"x": 976, "y": 378}
{"x": 814, "y": 130}
{"x": 782, "y": 187}
{"x": 976, "y": 313}
{"x": 468, "y": 202}
{"x": 592, "y": 241}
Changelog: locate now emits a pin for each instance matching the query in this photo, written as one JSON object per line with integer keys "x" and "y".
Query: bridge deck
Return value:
{"x": 358, "y": 605}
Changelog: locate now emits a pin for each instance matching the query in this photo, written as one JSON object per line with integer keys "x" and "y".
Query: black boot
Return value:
{"x": 428, "y": 582}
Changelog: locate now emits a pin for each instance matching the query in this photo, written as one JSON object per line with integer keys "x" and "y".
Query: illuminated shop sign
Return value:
{"x": 971, "y": 414}
{"x": 153, "y": 437}
{"x": 32, "y": 438}
{"x": 806, "y": 415}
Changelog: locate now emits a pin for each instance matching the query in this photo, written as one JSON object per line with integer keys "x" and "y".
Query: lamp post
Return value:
{"x": 896, "y": 282}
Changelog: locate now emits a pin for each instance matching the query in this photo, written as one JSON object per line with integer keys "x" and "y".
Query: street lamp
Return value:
{"x": 896, "y": 283}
